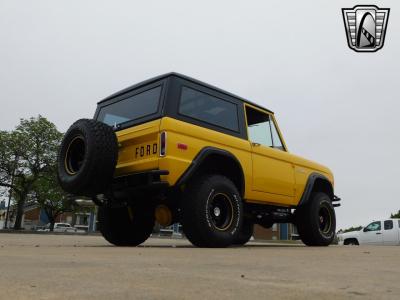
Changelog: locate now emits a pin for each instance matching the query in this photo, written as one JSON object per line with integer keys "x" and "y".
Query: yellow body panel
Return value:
{"x": 196, "y": 138}
{"x": 133, "y": 143}
{"x": 302, "y": 170}
{"x": 271, "y": 176}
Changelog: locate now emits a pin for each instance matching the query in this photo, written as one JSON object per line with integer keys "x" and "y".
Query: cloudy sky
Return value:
{"x": 335, "y": 106}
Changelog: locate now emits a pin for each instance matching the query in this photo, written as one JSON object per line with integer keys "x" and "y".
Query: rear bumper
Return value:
{"x": 142, "y": 181}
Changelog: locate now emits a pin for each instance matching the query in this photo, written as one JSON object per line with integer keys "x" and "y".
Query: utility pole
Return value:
{"x": 10, "y": 192}
{"x": 9, "y": 202}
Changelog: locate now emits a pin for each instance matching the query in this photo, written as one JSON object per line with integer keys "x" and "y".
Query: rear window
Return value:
{"x": 209, "y": 109}
{"x": 134, "y": 107}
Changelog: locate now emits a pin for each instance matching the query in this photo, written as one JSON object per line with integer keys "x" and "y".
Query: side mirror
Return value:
{"x": 365, "y": 229}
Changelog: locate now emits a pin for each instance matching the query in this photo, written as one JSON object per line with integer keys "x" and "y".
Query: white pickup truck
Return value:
{"x": 385, "y": 232}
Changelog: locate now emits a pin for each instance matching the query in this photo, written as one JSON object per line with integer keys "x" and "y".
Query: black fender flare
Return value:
{"x": 312, "y": 178}
{"x": 201, "y": 157}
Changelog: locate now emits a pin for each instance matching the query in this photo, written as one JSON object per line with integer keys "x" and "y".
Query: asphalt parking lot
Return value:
{"x": 34, "y": 266}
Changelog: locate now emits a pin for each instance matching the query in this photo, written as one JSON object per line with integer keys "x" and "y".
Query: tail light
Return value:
{"x": 163, "y": 143}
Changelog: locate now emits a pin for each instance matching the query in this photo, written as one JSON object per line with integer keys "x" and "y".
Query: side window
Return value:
{"x": 209, "y": 109}
{"x": 388, "y": 224}
{"x": 259, "y": 128}
{"x": 262, "y": 129}
{"x": 374, "y": 226}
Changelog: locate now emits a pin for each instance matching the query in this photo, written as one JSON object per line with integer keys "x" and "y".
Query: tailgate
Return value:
{"x": 138, "y": 148}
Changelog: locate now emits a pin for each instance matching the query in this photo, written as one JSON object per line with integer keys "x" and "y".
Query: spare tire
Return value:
{"x": 87, "y": 158}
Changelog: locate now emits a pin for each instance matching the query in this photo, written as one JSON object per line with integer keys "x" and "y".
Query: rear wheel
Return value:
{"x": 316, "y": 221}
{"x": 211, "y": 211}
{"x": 126, "y": 226}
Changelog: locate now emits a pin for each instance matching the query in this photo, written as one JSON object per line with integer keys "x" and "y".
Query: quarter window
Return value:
{"x": 388, "y": 224}
{"x": 262, "y": 130}
{"x": 275, "y": 137}
{"x": 209, "y": 109}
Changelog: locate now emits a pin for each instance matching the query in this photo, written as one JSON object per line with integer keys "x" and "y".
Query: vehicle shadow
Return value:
{"x": 172, "y": 246}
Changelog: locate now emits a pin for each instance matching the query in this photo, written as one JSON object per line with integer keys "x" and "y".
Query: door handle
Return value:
{"x": 255, "y": 144}
{"x": 379, "y": 233}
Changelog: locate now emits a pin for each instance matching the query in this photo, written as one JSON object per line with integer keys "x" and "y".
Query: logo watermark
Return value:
{"x": 365, "y": 27}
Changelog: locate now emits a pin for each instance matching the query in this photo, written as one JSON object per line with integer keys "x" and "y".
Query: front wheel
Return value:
{"x": 316, "y": 221}
{"x": 351, "y": 242}
{"x": 211, "y": 211}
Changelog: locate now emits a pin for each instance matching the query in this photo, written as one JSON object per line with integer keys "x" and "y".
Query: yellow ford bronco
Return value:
{"x": 174, "y": 149}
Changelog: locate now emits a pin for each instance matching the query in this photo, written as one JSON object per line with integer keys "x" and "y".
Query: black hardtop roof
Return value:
{"x": 157, "y": 78}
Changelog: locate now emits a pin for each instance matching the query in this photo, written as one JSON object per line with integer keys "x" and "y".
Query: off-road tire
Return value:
{"x": 201, "y": 198}
{"x": 87, "y": 158}
{"x": 245, "y": 232}
{"x": 126, "y": 226}
{"x": 309, "y": 222}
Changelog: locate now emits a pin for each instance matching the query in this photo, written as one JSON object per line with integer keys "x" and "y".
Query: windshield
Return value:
{"x": 134, "y": 107}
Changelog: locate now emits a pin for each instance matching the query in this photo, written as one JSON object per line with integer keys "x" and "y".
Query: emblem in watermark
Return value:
{"x": 365, "y": 27}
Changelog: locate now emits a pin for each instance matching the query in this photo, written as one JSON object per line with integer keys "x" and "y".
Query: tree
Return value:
{"x": 51, "y": 198}
{"x": 357, "y": 228}
{"x": 396, "y": 215}
{"x": 27, "y": 154}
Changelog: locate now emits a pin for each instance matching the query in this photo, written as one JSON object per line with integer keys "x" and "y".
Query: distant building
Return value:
{"x": 34, "y": 217}
{"x": 283, "y": 232}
